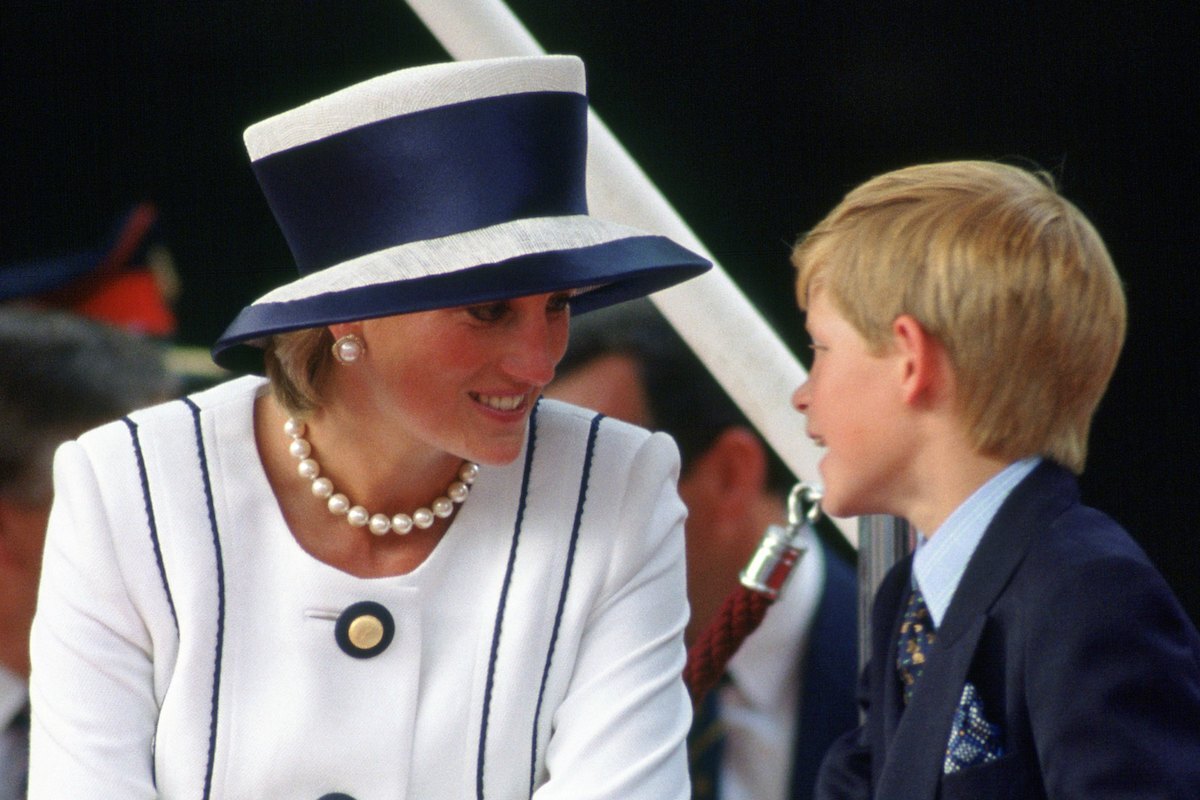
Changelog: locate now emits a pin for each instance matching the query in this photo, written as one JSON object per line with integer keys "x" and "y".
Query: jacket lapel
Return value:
{"x": 885, "y": 697}
{"x": 1043, "y": 495}
{"x": 917, "y": 741}
{"x": 914, "y": 760}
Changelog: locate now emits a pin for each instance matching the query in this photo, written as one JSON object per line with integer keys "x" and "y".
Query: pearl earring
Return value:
{"x": 348, "y": 349}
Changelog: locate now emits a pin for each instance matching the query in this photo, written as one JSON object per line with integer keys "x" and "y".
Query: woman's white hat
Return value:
{"x": 440, "y": 186}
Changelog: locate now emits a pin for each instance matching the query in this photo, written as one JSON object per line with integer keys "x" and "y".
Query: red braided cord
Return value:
{"x": 737, "y": 618}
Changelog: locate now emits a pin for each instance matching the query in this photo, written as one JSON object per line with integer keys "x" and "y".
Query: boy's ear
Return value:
{"x": 923, "y": 361}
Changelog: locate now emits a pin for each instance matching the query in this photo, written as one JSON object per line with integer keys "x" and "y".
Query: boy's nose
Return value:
{"x": 800, "y": 398}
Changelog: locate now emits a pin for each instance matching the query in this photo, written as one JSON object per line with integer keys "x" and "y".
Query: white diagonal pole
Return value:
{"x": 710, "y": 313}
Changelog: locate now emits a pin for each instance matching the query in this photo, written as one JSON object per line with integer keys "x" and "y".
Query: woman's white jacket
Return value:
{"x": 186, "y": 647}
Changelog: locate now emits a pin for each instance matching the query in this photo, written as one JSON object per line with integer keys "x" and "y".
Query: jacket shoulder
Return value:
{"x": 567, "y": 422}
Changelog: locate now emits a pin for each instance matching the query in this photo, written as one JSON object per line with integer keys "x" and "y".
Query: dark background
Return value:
{"x": 754, "y": 118}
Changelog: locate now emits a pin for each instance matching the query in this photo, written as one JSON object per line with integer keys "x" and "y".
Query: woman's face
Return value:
{"x": 464, "y": 380}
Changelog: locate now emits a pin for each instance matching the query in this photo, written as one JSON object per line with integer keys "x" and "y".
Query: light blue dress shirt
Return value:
{"x": 941, "y": 559}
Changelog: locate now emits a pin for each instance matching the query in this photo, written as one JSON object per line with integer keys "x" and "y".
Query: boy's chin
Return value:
{"x": 843, "y": 504}
{"x": 836, "y": 509}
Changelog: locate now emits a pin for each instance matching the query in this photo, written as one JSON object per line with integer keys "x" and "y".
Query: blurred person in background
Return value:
{"x": 60, "y": 374}
{"x": 790, "y": 687}
{"x": 128, "y": 281}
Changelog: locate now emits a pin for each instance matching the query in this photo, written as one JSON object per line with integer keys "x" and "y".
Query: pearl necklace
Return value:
{"x": 378, "y": 524}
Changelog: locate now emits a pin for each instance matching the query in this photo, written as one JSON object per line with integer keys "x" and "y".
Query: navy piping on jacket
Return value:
{"x": 566, "y": 583}
{"x": 150, "y": 520}
{"x": 512, "y": 558}
{"x": 212, "y": 521}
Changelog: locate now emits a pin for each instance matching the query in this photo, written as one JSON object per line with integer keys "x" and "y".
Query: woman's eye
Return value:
{"x": 560, "y": 301}
{"x": 488, "y": 312}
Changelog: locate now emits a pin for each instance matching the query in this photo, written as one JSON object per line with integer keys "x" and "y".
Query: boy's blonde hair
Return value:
{"x": 1008, "y": 275}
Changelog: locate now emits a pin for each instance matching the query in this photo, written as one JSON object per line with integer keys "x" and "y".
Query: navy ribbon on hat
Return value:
{"x": 390, "y": 182}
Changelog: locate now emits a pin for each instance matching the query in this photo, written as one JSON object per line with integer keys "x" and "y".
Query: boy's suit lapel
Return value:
{"x": 918, "y": 744}
{"x": 1023, "y": 517}
{"x": 917, "y": 741}
{"x": 887, "y": 701}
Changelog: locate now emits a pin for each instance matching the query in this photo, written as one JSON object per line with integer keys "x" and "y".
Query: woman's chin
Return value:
{"x": 496, "y": 454}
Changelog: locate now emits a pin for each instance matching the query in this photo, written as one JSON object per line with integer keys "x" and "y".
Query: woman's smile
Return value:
{"x": 501, "y": 402}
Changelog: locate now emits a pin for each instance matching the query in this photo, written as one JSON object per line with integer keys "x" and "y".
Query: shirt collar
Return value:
{"x": 941, "y": 560}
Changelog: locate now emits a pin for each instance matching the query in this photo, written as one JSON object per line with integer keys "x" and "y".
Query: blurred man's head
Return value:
{"x": 628, "y": 358}
{"x": 60, "y": 374}
{"x": 627, "y": 361}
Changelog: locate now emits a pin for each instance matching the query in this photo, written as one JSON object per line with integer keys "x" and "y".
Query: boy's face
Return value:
{"x": 852, "y": 399}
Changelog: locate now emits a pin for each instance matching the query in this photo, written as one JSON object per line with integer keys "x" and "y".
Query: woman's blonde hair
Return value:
{"x": 1008, "y": 275}
{"x": 296, "y": 364}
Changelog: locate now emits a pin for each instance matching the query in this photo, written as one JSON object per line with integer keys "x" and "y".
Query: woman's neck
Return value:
{"x": 372, "y": 461}
{"x": 379, "y": 472}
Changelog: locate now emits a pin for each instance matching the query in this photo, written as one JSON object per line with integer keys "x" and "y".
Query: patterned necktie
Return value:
{"x": 706, "y": 741}
{"x": 916, "y": 636}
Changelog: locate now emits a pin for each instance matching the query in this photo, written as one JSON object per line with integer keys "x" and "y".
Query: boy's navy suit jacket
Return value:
{"x": 1077, "y": 647}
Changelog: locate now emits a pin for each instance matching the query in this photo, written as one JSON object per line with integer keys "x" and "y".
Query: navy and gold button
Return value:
{"x": 335, "y": 796}
{"x": 364, "y": 629}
